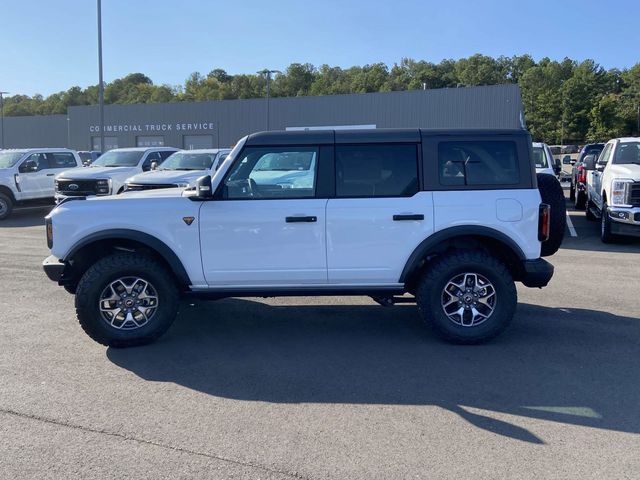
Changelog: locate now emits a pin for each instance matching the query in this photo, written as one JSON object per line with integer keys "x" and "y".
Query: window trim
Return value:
{"x": 219, "y": 193}
{"x": 378, "y": 144}
{"x": 430, "y": 144}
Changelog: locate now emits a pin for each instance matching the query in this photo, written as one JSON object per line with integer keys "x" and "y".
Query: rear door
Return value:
{"x": 379, "y": 214}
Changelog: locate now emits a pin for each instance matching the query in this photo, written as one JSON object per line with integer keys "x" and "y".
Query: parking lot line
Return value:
{"x": 572, "y": 230}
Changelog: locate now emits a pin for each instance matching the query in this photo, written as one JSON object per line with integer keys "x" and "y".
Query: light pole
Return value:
{"x": 100, "y": 81}
{"x": 267, "y": 73}
{"x": 2, "y": 118}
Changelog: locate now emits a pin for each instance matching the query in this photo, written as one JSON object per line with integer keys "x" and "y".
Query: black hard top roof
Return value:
{"x": 379, "y": 135}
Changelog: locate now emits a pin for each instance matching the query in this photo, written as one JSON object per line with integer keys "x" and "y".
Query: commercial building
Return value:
{"x": 222, "y": 123}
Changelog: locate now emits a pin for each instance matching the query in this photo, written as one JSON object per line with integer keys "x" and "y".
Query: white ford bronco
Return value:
{"x": 448, "y": 219}
{"x": 107, "y": 174}
{"x": 613, "y": 189}
{"x": 27, "y": 175}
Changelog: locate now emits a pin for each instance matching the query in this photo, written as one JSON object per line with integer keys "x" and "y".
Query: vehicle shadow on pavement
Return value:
{"x": 565, "y": 365}
{"x": 26, "y": 217}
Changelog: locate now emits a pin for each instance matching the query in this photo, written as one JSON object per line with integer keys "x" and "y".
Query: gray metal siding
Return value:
{"x": 497, "y": 106}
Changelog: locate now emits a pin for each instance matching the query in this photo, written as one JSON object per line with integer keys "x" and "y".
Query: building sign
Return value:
{"x": 154, "y": 127}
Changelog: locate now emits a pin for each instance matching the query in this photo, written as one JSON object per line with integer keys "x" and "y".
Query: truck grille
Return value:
{"x": 634, "y": 194}
{"x": 137, "y": 187}
{"x": 76, "y": 188}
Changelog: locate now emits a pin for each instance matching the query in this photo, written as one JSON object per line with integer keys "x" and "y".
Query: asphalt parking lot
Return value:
{"x": 319, "y": 388}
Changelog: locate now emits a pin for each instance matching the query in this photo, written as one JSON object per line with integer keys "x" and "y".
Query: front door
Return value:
{"x": 35, "y": 175}
{"x": 266, "y": 226}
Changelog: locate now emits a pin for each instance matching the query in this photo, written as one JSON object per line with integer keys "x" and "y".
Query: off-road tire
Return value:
{"x": 553, "y": 195}
{"x": 429, "y": 296}
{"x": 107, "y": 270}
{"x": 6, "y": 206}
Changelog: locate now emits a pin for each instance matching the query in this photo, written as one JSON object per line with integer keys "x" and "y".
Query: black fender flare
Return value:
{"x": 144, "y": 238}
{"x": 448, "y": 233}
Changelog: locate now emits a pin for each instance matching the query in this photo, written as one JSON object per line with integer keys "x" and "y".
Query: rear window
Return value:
{"x": 539, "y": 158}
{"x": 376, "y": 170}
{"x": 62, "y": 160}
{"x": 478, "y": 163}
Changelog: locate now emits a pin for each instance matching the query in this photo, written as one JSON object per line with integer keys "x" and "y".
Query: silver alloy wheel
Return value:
{"x": 603, "y": 220}
{"x": 3, "y": 207}
{"x": 468, "y": 299}
{"x": 128, "y": 303}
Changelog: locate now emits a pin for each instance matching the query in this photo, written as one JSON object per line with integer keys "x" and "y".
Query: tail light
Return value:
{"x": 544, "y": 222}
{"x": 582, "y": 174}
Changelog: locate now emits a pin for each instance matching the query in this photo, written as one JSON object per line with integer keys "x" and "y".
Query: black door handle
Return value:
{"x": 50, "y": 174}
{"x": 301, "y": 219}
{"x": 397, "y": 218}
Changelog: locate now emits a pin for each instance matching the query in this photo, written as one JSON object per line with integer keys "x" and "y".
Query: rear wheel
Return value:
{"x": 580, "y": 200}
{"x": 6, "y": 206}
{"x": 572, "y": 192}
{"x": 467, "y": 297}
{"x": 126, "y": 299}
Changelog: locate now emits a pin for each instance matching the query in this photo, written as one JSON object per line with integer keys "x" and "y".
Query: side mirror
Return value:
{"x": 203, "y": 188}
{"x": 29, "y": 166}
{"x": 154, "y": 165}
{"x": 566, "y": 161}
{"x": 589, "y": 162}
{"x": 86, "y": 163}
{"x": 557, "y": 166}
{"x": 600, "y": 166}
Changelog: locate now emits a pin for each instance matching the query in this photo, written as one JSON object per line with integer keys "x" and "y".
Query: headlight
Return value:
{"x": 103, "y": 187}
{"x": 619, "y": 189}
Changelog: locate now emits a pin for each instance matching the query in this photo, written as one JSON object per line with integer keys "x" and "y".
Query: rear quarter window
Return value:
{"x": 478, "y": 163}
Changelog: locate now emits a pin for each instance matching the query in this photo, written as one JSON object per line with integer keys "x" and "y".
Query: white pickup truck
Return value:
{"x": 613, "y": 189}
{"x": 26, "y": 175}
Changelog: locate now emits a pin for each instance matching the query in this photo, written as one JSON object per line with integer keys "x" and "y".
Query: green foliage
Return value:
{"x": 564, "y": 101}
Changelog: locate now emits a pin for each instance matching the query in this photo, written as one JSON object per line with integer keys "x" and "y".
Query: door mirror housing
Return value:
{"x": 154, "y": 165}
{"x": 589, "y": 162}
{"x": 557, "y": 166}
{"x": 203, "y": 189}
{"x": 29, "y": 166}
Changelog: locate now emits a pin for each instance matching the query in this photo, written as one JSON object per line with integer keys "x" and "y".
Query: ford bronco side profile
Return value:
{"x": 448, "y": 219}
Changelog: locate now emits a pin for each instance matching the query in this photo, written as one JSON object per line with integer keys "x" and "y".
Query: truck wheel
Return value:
{"x": 6, "y": 206}
{"x": 126, "y": 299}
{"x": 580, "y": 200}
{"x": 588, "y": 206}
{"x": 605, "y": 226}
{"x": 467, "y": 297}
{"x": 552, "y": 194}
{"x": 572, "y": 192}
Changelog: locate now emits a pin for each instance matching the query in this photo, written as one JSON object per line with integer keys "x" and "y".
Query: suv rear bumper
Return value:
{"x": 536, "y": 273}
{"x": 54, "y": 268}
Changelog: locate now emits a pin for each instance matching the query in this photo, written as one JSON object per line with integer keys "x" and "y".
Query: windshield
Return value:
{"x": 285, "y": 162}
{"x": 188, "y": 161}
{"x": 539, "y": 157}
{"x": 118, "y": 159}
{"x": 9, "y": 159}
{"x": 627, "y": 152}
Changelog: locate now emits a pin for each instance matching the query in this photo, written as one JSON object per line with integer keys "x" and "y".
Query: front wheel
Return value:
{"x": 467, "y": 297}
{"x": 6, "y": 206}
{"x": 572, "y": 192}
{"x": 126, "y": 299}
{"x": 605, "y": 226}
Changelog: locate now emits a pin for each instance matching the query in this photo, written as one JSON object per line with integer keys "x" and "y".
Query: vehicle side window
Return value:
{"x": 40, "y": 160}
{"x": 62, "y": 160}
{"x": 273, "y": 172}
{"x": 164, "y": 155}
{"x": 604, "y": 156}
{"x": 376, "y": 170}
{"x": 478, "y": 163}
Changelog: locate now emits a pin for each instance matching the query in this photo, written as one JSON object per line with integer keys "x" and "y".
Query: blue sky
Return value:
{"x": 47, "y": 46}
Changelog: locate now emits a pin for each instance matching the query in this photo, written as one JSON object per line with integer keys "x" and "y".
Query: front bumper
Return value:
{"x": 536, "y": 273}
{"x": 54, "y": 268}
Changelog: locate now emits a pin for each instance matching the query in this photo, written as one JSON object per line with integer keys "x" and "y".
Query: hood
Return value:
{"x": 89, "y": 173}
{"x": 627, "y": 170}
{"x": 160, "y": 193}
{"x": 160, "y": 177}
